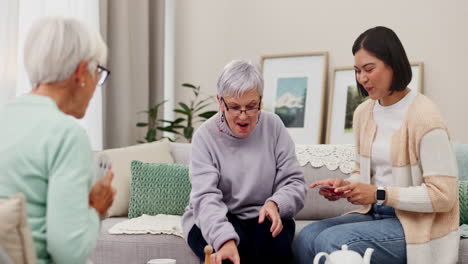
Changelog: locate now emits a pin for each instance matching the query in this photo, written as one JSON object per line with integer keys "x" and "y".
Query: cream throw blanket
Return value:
{"x": 148, "y": 224}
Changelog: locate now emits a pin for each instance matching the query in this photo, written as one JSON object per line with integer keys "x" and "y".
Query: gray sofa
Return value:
{"x": 138, "y": 249}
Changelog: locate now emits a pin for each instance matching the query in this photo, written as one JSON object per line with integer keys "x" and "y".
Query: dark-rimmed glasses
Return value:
{"x": 237, "y": 111}
{"x": 103, "y": 74}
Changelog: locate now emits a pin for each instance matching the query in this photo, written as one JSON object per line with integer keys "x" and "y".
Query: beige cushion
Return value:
{"x": 15, "y": 236}
{"x": 121, "y": 158}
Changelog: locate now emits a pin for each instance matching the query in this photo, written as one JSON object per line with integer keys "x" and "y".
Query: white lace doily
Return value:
{"x": 332, "y": 156}
{"x": 148, "y": 224}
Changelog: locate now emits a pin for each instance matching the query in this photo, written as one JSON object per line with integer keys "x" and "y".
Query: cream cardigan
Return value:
{"x": 425, "y": 169}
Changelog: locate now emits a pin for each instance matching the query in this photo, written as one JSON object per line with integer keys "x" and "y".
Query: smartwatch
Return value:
{"x": 380, "y": 195}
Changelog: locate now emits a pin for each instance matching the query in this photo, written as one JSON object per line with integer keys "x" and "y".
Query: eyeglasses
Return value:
{"x": 237, "y": 111}
{"x": 103, "y": 74}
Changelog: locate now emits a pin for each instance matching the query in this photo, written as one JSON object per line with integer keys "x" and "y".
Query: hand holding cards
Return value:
{"x": 102, "y": 166}
{"x": 102, "y": 193}
{"x": 330, "y": 190}
{"x": 327, "y": 188}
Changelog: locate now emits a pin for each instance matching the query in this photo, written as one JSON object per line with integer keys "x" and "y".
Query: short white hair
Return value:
{"x": 238, "y": 77}
{"x": 55, "y": 46}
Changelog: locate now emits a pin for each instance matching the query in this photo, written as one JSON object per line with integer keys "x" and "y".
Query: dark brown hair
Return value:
{"x": 384, "y": 44}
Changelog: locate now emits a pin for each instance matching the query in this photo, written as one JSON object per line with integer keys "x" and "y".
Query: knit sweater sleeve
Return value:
{"x": 438, "y": 190}
{"x": 289, "y": 191}
{"x": 72, "y": 225}
{"x": 355, "y": 175}
{"x": 206, "y": 198}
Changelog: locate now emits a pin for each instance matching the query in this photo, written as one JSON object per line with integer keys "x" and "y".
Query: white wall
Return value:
{"x": 209, "y": 33}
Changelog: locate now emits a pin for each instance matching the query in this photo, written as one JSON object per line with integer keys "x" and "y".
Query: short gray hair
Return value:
{"x": 238, "y": 77}
{"x": 55, "y": 46}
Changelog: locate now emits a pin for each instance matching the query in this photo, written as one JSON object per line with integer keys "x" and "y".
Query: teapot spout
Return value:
{"x": 367, "y": 255}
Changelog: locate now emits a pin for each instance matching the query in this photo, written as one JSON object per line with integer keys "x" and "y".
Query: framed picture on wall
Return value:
{"x": 344, "y": 98}
{"x": 417, "y": 82}
{"x": 295, "y": 91}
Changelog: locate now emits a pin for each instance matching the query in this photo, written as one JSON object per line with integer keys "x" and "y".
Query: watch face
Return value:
{"x": 380, "y": 195}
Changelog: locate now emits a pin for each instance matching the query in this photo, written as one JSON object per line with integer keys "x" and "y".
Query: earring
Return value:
{"x": 82, "y": 84}
{"x": 222, "y": 117}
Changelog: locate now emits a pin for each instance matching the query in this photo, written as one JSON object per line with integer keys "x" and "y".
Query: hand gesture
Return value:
{"x": 335, "y": 183}
{"x": 359, "y": 193}
{"x": 270, "y": 210}
{"x": 102, "y": 194}
{"x": 227, "y": 251}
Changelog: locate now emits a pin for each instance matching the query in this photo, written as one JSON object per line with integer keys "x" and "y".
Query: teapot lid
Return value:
{"x": 345, "y": 256}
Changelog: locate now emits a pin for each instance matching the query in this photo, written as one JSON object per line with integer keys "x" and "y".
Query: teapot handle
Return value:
{"x": 319, "y": 256}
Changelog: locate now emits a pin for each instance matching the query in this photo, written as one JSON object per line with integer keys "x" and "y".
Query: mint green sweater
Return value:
{"x": 46, "y": 155}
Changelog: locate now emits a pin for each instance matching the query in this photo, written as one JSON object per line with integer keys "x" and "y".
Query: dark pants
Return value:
{"x": 256, "y": 243}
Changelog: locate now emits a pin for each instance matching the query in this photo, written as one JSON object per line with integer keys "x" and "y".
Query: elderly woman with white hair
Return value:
{"x": 247, "y": 184}
{"x": 45, "y": 154}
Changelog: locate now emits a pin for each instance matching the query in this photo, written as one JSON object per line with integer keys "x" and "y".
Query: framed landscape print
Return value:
{"x": 417, "y": 82}
{"x": 295, "y": 91}
{"x": 344, "y": 99}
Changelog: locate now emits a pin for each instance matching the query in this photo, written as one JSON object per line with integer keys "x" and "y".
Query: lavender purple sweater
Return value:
{"x": 239, "y": 175}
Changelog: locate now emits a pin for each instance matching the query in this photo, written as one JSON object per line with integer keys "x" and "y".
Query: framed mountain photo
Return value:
{"x": 295, "y": 91}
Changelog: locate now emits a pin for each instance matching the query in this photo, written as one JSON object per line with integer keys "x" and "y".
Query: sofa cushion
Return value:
{"x": 121, "y": 158}
{"x": 158, "y": 188}
{"x": 463, "y": 251}
{"x": 316, "y": 207}
{"x": 463, "y": 199}
{"x": 181, "y": 152}
{"x": 124, "y": 249}
{"x": 461, "y": 152}
{"x": 15, "y": 238}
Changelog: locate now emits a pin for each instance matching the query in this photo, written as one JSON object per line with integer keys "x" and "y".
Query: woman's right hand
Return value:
{"x": 333, "y": 182}
{"x": 102, "y": 194}
{"x": 227, "y": 251}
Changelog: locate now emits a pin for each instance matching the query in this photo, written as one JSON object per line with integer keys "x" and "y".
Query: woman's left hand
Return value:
{"x": 270, "y": 210}
{"x": 359, "y": 193}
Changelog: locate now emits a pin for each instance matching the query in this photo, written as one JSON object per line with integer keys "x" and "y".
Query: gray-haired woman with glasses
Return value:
{"x": 246, "y": 181}
{"x": 45, "y": 154}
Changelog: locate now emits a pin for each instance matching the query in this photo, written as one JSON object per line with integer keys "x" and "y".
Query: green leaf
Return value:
{"x": 165, "y": 121}
{"x": 141, "y": 124}
{"x": 151, "y": 135}
{"x": 188, "y": 131}
{"x": 185, "y": 107}
{"x": 180, "y": 111}
{"x": 153, "y": 113}
{"x": 189, "y": 85}
{"x": 201, "y": 107}
{"x": 207, "y": 114}
{"x": 161, "y": 103}
{"x": 179, "y": 120}
{"x": 196, "y": 89}
{"x": 170, "y": 139}
{"x": 168, "y": 129}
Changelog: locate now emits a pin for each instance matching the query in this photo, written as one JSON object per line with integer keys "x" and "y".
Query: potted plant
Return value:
{"x": 192, "y": 113}
{"x": 152, "y": 124}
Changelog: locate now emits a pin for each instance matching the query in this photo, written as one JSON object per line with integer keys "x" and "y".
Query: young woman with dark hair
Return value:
{"x": 405, "y": 174}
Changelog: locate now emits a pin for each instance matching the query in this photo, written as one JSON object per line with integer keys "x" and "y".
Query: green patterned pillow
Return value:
{"x": 158, "y": 188}
{"x": 463, "y": 198}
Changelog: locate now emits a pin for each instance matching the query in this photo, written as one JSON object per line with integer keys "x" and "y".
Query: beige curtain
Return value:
{"x": 134, "y": 33}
